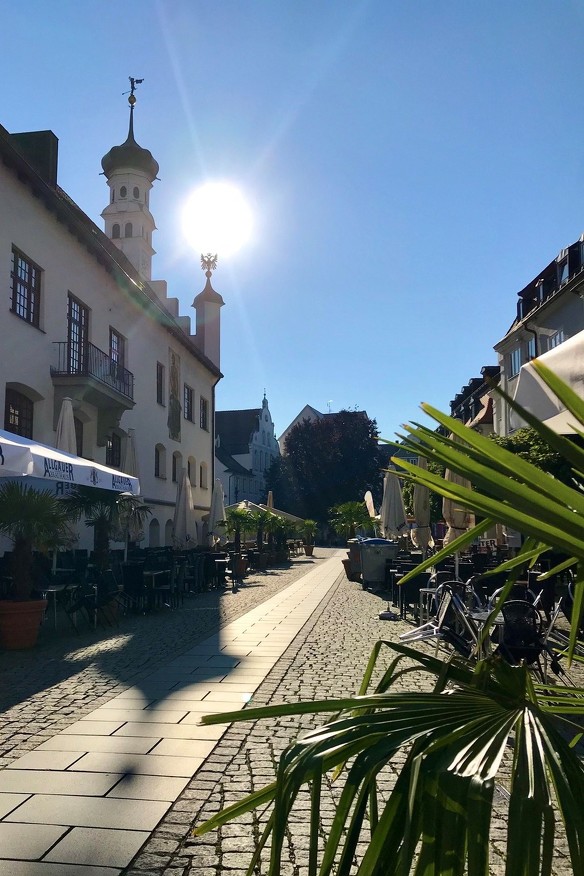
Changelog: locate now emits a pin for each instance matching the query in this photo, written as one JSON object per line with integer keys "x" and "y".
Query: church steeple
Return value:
{"x": 130, "y": 171}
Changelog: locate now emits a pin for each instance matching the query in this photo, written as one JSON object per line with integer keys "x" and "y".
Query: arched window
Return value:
{"x": 192, "y": 470}
{"x": 123, "y": 192}
{"x": 160, "y": 461}
{"x": 18, "y": 413}
{"x": 128, "y": 230}
{"x": 136, "y": 192}
{"x": 154, "y": 533}
{"x": 112, "y": 196}
{"x": 115, "y": 231}
{"x": 176, "y": 465}
{"x": 168, "y": 532}
{"x": 203, "y": 476}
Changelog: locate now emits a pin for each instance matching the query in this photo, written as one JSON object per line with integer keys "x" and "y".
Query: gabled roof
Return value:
{"x": 235, "y": 428}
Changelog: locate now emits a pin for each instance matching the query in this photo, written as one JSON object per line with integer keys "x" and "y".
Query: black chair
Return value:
{"x": 519, "y": 636}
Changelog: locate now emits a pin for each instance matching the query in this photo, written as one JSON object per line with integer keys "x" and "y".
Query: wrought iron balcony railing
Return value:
{"x": 90, "y": 361}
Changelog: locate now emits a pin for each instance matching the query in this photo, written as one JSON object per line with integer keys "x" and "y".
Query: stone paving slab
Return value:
{"x": 125, "y": 792}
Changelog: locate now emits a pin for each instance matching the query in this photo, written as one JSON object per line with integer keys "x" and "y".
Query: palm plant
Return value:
{"x": 238, "y": 521}
{"x": 106, "y": 512}
{"x": 309, "y": 530}
{"x": 32, "y": 519}
{"x": 347, "y": 517}
{"x": 478, "y": 718}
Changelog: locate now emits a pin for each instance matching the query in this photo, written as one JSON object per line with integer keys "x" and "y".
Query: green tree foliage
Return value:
{"x": 347, "y": 517}
{"x": 435, "y": 500}
{"x": 328, "y": 461}
{"x": 532, "y": 447}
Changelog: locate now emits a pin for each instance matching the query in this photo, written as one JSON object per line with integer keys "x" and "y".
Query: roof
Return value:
{"x": 130, "y": 154}
{"x": 235, "y": 428}
{"x": 98, "y": 244}
{"x": 231, "y": 464}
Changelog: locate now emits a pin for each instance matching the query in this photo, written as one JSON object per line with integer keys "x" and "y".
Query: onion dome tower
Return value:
{"x": 130, "y": 171}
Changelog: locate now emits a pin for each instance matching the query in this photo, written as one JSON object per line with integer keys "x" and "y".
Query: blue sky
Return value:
{"x": 410, "y": 165}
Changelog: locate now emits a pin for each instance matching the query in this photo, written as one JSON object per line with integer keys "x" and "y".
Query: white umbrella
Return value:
{"x": 392, "y": 516}
{"x": 368, "y": 499}
{"x": 458, "y": 519}
{"x": 184, "y": 527}
{"x": 217, "y": 513}
{"x": 422, "y": 534}
{"x": 66, "y": 439}
{"x": 130, "y": 460}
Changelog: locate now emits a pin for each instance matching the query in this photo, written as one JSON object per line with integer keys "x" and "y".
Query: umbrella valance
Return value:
{"x": 22, "y": 457}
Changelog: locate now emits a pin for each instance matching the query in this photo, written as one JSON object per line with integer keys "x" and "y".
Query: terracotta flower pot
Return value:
{"x": 20, "y": 623}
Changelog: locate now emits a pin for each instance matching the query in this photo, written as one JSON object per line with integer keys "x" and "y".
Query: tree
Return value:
{"x": 327, "y": 462}
{"x": 106, "y": 511}
{"x": 349, "y": 516}
{"x": 529, "y": 445}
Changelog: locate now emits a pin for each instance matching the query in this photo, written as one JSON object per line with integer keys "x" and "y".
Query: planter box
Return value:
{"x": 20, "y": 623}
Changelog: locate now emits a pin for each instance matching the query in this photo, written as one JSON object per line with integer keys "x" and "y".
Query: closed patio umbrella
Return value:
{"x": 130, "y": 460}
{"x": 184, "y": 527}
{"x": 217, "y": 513}
{"x": 66, "y": 439}
{"x": 458, "y": 519}
{"x": 392, "y": 516}
{"x": 422, "y": 534}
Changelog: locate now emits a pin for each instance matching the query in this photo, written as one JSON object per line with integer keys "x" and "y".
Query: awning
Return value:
{"x": 567, "y": 361}
{"x": 21, "y": 457}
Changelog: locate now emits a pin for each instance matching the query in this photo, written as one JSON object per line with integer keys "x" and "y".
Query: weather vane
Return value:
{"x": 133, "y": 84}
{"x": 208, "y": 264}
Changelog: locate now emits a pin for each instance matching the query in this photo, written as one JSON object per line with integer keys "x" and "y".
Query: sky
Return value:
{"x": 410, "y": 167}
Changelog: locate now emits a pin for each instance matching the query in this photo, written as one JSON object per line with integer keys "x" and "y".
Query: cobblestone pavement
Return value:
{"x": 67, "y": 675}
{"x": 67, "y": 679}
{"x": 328, "y": 658}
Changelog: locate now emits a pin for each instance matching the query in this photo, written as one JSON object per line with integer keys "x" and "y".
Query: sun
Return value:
{"x": 217, "y": 219}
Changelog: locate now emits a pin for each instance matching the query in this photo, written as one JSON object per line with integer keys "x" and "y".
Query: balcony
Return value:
{"x": 93, "y": 378}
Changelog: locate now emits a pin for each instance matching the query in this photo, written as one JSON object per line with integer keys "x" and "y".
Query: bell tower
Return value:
{"x": 130, "y": 171}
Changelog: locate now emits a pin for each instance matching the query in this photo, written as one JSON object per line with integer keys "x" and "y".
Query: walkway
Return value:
{"x": 87, "y": 799}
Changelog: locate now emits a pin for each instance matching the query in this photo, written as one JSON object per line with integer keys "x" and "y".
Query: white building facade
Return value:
{"x": 245, "y": 448}
{"x": 82, "y": 319}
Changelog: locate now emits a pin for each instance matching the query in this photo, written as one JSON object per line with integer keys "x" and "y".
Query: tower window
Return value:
{"x": 128, "y": 230}
{"x": 115, "y": 231}
{"x": 136, "y": 192}
{"x": 123, "y": 192}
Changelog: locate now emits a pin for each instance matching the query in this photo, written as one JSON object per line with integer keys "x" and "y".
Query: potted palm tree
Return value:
{"x": 238, "y": 522}
{"x": 309, "y": 530}
{"x": 33, "y": 520}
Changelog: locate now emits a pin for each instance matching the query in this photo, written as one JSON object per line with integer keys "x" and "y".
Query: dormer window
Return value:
{"x": 123, "y": 192}
{"x": 563, "y": 271}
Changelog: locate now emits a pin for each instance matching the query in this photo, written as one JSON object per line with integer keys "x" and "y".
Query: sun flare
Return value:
{"x": 217, "y": 219}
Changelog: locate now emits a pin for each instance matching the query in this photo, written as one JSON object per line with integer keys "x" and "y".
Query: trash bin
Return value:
{"x": 354, "y": 573}
{"x": 374, "y": 554}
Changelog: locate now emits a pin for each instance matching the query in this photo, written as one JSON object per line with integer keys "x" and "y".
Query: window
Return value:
{"x": 192, "y": 471}
{"x": 117, "y": 345}
{"x": 160, "y": 383}
{"x": 556, "y": 339}
{"x": 77, "y": 340}
{"x": 18, "y": 414}
{"x": 563, "y": 271}
{"x": 113, "y": 451}
{"x": 136, "y": 192}
{"x": 203, "y": 475}
{"x": 128, "y": 230}
{"x": 176, "y": 466}
{"x": 115, "y": 231}
{"x": 26, "y": 288}
{"x": 531, "y": 348}
{"x": 204, "y": 407}
{"x": 159, "y": 461}
{"x": 514, "y": 362}
{"x": 188, "y": 408}
{"x": 123, "y": 192}
{"x": 78, "y": 436}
